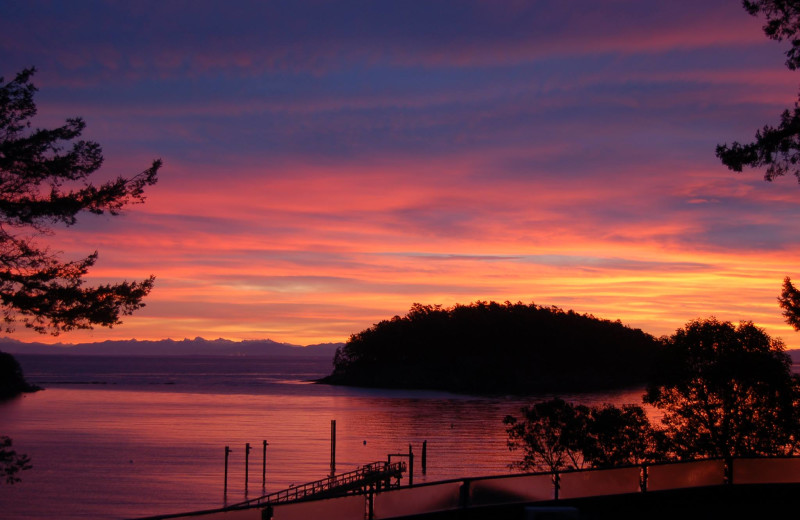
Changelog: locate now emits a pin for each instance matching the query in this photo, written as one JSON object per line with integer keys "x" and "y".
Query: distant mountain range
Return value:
{"x": 190, "y": 347}
{"x": 169, "y": 347}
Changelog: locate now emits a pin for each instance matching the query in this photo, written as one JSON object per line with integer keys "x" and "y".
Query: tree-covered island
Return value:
{"x": 12, "y": 381}
{"x": 492, "y": 348}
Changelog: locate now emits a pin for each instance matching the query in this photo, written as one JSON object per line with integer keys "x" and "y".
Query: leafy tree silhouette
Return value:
{"x": 619, "y": 436}
{"x": 11, "y": 462}
{"x": 550, "y": 434}
{"x": 556, "y": 435}
{"x": 726, "y": 391}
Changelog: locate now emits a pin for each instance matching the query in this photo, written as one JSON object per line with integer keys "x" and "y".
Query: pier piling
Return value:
{"x": 424, "y": 457}
{"x": 410, "y": 466}
{"x": 333, "y": 447}
{"x": 247, "y": 449}
{"x": 225, "y": 489}
{"x": 264, "y": 468}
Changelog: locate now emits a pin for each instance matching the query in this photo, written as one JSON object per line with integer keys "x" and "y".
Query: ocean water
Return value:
{"x": 125, "y": 437}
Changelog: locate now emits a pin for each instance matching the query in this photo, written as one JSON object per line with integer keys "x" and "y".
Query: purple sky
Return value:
{"x": 327, "y": 164}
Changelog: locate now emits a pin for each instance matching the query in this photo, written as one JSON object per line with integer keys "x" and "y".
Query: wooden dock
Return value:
{"x": 376, "y": 475}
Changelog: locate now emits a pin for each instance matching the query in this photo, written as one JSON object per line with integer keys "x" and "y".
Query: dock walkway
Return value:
{"x": 376, "y": 475}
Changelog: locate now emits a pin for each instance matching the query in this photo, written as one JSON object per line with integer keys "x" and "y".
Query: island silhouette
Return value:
{"x": 496, "y": 348}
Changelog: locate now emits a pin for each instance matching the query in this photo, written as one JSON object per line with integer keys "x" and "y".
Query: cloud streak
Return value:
{"x": 329, "y": 164}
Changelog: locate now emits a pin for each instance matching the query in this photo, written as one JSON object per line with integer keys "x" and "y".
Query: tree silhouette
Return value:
{"x": 11, "y": 462}
{"x": 555, "y": 435}
{"x": 776, "y": 148}
{"x": 619, "y": 436}
{"x": 783, "y": 23}
{"x": 789, "y": 301}
{"x": 726, "y": 391}
{"x": 44, "y": 182}
{"x": 549, "y": 434}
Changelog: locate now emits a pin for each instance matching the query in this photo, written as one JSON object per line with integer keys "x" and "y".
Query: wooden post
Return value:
{"x": 246, "y": 466}
{"x": 410, "y": 465}
{"x": 463, "y": 494}
{"x": 728, "y": 479}
{"x": 424, "y": 457}
{"x": 264, "y": 468}
{"x": 225, "y": 489}
{"x": 643, "y": 477}
{"x": 333, "y": 447}
{"x": 370, "y": 501}
{"x": 556, "y": 484}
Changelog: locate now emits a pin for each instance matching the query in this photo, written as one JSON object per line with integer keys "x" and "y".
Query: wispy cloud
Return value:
{"x": 329, "y": 164}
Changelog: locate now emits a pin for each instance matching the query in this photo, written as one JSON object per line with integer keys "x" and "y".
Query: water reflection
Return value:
{"x": 131, "y": 449}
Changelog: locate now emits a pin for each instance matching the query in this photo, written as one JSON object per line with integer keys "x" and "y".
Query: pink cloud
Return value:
{"x": 314, "y": 186}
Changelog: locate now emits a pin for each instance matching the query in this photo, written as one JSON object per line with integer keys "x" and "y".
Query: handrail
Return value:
{"x": 381, "y": 471}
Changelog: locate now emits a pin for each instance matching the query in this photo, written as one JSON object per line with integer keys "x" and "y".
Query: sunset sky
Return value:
{"x": 328, "y": 164}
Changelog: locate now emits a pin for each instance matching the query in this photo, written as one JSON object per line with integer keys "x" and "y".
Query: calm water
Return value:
{"x": 125, "y": 437}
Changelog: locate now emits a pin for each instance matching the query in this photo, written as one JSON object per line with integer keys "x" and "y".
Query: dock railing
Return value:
{"x": 356, "y": 495}
{"x": 530, "y": 488}
{"x": 376, "y": 474}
